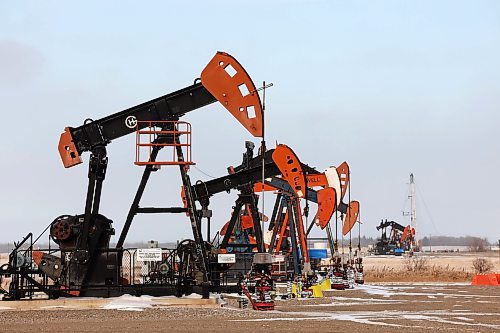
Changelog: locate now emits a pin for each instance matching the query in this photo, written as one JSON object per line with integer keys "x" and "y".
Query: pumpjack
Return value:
{"x": 398, "y": 241}
{"x": 85, "y": 264}
{"x": 288, "y": 235}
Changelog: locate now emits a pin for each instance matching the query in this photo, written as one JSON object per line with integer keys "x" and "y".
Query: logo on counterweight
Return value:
{"x": 131, "y": 122}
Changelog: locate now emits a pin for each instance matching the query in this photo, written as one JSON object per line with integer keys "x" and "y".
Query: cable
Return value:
{"x": 349, "y": 210}
{"x": 336, "y": 232}
{"x": 203, "y": 172}
{"x": 427, "y": 209}
{"x": 342, "y": 240}
{"x": 405, "y": 202}
{"x": 44, "y": 230}
{"x": 359, "y": 233}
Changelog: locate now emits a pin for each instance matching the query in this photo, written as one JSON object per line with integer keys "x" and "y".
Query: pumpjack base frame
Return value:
{"x": 130, "y": 277}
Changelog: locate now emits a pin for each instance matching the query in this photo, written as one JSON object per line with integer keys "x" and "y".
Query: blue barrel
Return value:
{"x": 399, "y": 252}
{"x": 318, "y": 253}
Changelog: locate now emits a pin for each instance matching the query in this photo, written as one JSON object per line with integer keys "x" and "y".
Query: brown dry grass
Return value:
{"x": 435, "y": 267}
{"x": 434, "y": 273}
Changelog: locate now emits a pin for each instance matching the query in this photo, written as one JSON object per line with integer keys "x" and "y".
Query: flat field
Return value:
{"x": 434, "y": 267}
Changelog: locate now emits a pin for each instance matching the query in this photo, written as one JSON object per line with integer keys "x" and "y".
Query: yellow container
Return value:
{"x": 316, "y": 289}
{"x": 294, "y": 289}
{"x": 326, "y": 284}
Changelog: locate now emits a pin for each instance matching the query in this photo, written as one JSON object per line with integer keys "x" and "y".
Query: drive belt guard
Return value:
{"x": 230, "y": 84}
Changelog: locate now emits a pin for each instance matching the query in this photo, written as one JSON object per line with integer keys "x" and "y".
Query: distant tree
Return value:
{"x": 450, "y": 241}
{"x": 477, "y": 244}
{"x": 482, "y": 265}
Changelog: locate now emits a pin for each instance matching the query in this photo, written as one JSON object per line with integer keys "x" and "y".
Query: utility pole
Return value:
{"x": 413, "y": 219}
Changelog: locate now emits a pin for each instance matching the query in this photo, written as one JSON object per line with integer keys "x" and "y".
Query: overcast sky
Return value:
{"x": 392, "y": 87}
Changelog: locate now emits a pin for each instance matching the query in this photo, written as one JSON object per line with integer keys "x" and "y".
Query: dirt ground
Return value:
{"x": 374, "y": 307}
{"x": 368, "y": 308}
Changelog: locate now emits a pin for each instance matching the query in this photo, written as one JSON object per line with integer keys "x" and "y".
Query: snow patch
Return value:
{"x": 388, "y": 291}
{"x": 382, "y": 317}
{"x": 344, "y": 316}
{"x": 57, "y": 307}
{"x": 134, "y": 303}
{"x": 353, "y": 303}
{"x": 361, "y": 299}
{"x": 129, "y": 303}
{"x": 349, "y": 301}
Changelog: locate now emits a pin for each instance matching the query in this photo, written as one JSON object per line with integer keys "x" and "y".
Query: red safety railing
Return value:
{"x": 169, "y": 137}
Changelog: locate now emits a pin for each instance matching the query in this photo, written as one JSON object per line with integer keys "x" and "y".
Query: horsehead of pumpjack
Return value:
{"x": 338, "y": 178}
{"x": 334, "y": 184}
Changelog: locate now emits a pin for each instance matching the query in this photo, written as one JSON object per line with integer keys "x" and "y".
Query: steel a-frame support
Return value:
{"x": 286, "y": 217}
{"x": 245, "y": 198}
{"x": 195, "y": 219}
